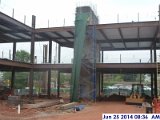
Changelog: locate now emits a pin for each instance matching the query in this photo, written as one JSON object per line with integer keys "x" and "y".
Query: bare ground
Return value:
{"x": 92, "y": 111}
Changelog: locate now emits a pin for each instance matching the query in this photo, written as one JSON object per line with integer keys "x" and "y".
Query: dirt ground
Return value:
{"x": 92, "y": 111}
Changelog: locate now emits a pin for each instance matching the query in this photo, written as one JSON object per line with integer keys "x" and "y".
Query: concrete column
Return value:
{"x": 58, "y": 77}
{"x": 32, "y": 59}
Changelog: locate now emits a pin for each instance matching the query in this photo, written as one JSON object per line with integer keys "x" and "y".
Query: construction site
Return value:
{"x": 88, "y": 86}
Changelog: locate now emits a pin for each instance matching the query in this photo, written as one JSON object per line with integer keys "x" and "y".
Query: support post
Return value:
{"x": 152, "y": 81}
{"x": 33, "y": 38}
{"x": 155, "y": 53}
{"x": 155, "y": 84}
{"x": 32, "y": 59}
{"x": 31, "y": 86}
{"x": 102, "y": 81}
{"x": 151, "y": 56}
{"x": 58, "y": 77}
{"x": 102, "y": 56}
{"x": 13, "y": 71}
{"x": 12, "y": 80}
{"x": 49, "y": 71}
{"x": 14, "y": 51}
{"x": 50, "y": 51}
{"x": 49, "y": 83}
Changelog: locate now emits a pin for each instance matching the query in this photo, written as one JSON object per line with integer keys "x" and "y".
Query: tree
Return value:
{"x": 21, "y": 78}
{"x": 22, "y": 56}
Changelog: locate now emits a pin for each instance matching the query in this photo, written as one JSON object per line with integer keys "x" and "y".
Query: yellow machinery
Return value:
{"x": 137, "y": 95}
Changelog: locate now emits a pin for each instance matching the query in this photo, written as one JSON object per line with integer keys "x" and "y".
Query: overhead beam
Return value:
{"x": 106, "y": 38}
{"x": 118, "y": 49}
{"x": 71, "y": 33}
{"x": 55, "y": 29}
{"x": 47, "y": 37}
{"x": 120, "y": 32}
{"x": 103, "y": 26}
{"x": 127, "y": 25}
{"x": 14, "y": 22}
{"x": 64, "y": 38}
{"x": 126, "y": 40}
{"x": 155, "y": 36}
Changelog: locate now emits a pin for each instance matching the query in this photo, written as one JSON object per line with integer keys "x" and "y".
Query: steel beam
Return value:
{"x": 106, "y": 38}
{"x": 122, "y": 38}
{"x": 14, "y": 22}
{"x": 61, "y": 36}
{"x": 120, "y": 49}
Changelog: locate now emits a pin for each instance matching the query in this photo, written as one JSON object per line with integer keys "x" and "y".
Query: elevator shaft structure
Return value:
{"x": 83, "y": 80}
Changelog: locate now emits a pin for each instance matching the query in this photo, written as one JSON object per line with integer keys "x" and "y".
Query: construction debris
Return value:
{"x": 79, "y": 107}
{"x": 68, "y": 106}
{"x": 42, "y": 104}
{"x": 14, "y": 100}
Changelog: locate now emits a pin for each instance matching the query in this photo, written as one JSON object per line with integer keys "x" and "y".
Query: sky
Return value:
{"x": 54, "y": 13}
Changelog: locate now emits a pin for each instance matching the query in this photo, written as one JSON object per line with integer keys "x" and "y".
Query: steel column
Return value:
{"x": 33, "y": 38}
{"x": 49, "y": 83}
{"x": 13, "y": 71}
{"x": 151, "y": 56}
{"x": 155, "y": 84}
{"x": 58, "y": 77}
{"x": 152, "y": 81}
{"x": 14, "y": 51}
{"x": 155, "y": 52}
{"x": 32, "y": 58}
{"x": 49, "y": 71}
{"x": 12, "y": 80}
{"x": 102, "y": 81}
{"x": 102, "y": 56}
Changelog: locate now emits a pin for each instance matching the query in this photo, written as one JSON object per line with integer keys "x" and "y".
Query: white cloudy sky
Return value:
{"x": 56, "y": 11}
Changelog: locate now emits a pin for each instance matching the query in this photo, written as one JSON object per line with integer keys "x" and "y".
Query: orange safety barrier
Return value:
{"x": 156, "y": 105}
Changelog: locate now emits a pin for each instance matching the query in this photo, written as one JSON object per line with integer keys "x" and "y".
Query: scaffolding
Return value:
{"x": 83, "y": 80}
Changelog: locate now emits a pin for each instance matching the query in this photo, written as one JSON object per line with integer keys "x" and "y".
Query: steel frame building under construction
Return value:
{"x": 88, "y": 38}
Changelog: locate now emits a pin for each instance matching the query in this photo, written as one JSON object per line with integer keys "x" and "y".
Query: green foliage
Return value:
{"x": 111, "y": 79}
{"x": 21, "y": 78}
{"x": 65, "y": 78}
{"x": 7, "y": 75}
{"x": 22, "y": 56}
